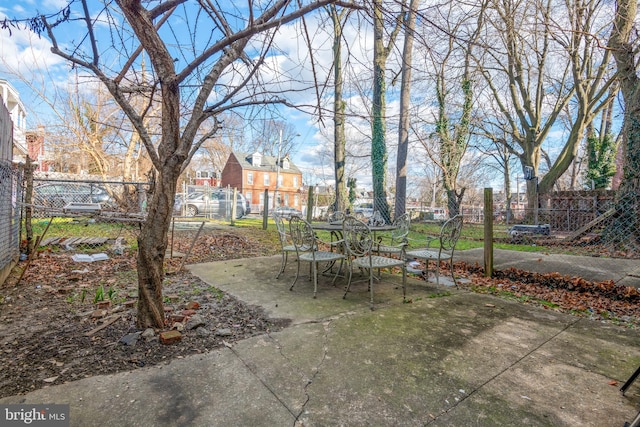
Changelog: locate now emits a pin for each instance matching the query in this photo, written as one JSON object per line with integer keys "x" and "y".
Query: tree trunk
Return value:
{"x": 454, "y": 200}
{"x": 624, "y": 230}
{"x": 339, "y": 140}
{"x": 379, "y": 126}
{"x": 152, "y": 246}
{"x": 507, "y": 189}
{"x": 405, "y": 102}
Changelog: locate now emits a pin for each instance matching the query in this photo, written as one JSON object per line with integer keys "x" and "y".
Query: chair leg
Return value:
{"x": 404, "y": 282}
{"x": 425, "y": 273}
{"x": 453, "y": 274}
{"x": 285, "y": 257}
{"x": 371, "y": 287}
{"x": 348, "y": 282}
{"x": 314, "y": 268}
{"x": 333, "y": 282}
{"x": 297, "y": 275}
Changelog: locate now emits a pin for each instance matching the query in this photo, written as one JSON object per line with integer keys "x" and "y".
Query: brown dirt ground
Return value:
{"x": 46, "y": 321}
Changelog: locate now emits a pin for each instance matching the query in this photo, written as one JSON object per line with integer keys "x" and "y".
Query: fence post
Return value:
{"x": 28, "y": 198}
{"x": 488, "y": 232}
{"x": 234, "y": 206}
{"x": 265, "y": 210}
{"x": 310, "y": 204}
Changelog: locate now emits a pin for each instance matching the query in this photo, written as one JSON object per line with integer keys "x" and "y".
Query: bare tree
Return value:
{"x": 405, "y": 102}
{"x": 183, "y": 80}
{"x": 450, "y": 61}
{"x": 535, "y": 67}
{"x": 338, "y": 17}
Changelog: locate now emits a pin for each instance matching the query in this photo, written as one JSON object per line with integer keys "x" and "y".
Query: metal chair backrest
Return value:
{"x": 450, "y": 233}
{"x": 337, "y": 216}
{"x": 357, "y": 237}
{"x": 376, "y": 219}
{"x": 282, "y": 230}
{"x": 302, "y": 234}
{"x": 401, "y": 230}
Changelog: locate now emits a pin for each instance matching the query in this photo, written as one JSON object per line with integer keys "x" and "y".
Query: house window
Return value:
{"x": 280, "y": 180}
{"x": 261, "y": 201}
{"x": 296, "y": 200}
{"x": 286, "y": 199}
{"x": 266, "y": 179}
{"x": 249, "y": 197}
{"x": 295, "y": 182}
{"x": 250, "y": 178}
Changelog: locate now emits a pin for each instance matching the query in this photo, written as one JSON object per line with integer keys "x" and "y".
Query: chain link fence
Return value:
{"x": 10, "y": 192}
{"x": 596, "y": 223}
{"x": 86, "y": 219}
{"x": 207, "y": 202}
{"x": 98, "y": 216}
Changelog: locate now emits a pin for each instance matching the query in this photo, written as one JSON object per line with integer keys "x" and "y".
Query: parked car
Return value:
{"x": 363, "y": 210}
{"x": 216, "y": 204}
{"x": 59, "y": 195}
{"x": 287, "y": 212}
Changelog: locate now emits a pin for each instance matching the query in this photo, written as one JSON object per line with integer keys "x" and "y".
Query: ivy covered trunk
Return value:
{"x": 379, "y": 127}
{"x": 454, "y": 201}
{"x": 624, "y": 230}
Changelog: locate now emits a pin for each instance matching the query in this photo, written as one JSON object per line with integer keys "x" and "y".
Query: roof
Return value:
{"x": 268, "y": 163}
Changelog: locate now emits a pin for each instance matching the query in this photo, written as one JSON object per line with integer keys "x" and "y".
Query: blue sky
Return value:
{"x": 25, "y": 56}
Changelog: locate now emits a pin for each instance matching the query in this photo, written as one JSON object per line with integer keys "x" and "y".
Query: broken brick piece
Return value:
{"x": 170, "y": 337}
{"x": 103, "y": 304}
{"x": 99, "y": 313}
{"x": 192, "y": 305}
{"x": 177, "y": 317}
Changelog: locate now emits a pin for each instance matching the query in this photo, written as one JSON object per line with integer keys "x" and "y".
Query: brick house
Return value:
{"x": 210, "y": 178}
{"x": 251, "y": 174}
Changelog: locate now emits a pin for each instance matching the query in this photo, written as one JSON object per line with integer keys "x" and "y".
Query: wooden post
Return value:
{"x": 488, "y": 232}
{"x": 265, "y": 210}
{"x": 310, "y": 204}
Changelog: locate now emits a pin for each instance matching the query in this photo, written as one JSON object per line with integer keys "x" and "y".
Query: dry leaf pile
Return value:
{"x": 600, "y": 300}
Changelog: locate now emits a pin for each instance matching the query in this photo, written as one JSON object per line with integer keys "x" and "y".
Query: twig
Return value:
{"x": 104, "y": 325}
{"x": 35, "y": 249}
{"x": 193, "y": 242}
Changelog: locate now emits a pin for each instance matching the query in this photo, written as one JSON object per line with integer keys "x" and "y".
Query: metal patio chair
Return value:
{"x": 286, "y": 245}
{"x": 449, "y": 234}
{"x": 396, "y": 242}
{"x": 358, "y": 243}
{"x": 307, "y": 247}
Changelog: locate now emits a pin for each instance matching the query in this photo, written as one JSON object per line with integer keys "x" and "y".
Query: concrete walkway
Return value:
{"x": 447, "y": 358}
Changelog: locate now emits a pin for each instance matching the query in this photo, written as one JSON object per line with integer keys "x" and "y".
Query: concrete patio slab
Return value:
{"x": 446, "y": 357}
